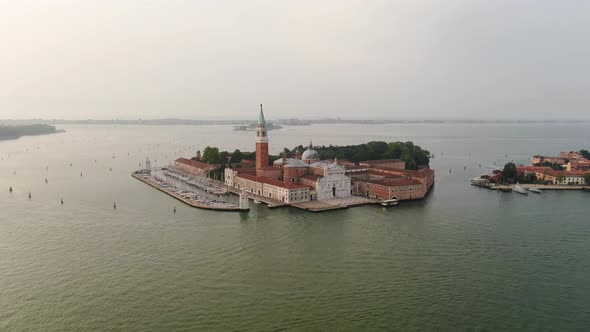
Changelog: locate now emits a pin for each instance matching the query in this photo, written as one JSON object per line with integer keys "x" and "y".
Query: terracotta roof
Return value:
{"x": 243, "y": 170}
{"x": 312, "y": 177}
{"x": 533, "y": 168}
{"x": 197, "y": 164}
{"x": 552, "y": 172}
{"x": 272, "y": 182}
{"x": 348, "y": 166}
{"x": 423, "y": 172}
{"x": 381, "y": 161}
{"x": 391, "y": 182}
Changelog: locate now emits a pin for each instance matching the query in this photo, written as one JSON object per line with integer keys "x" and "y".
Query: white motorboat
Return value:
{"x": 390, "y": 202}
{"x": 535, "y": 190}
{"x": 519, "y": 189}
{"x": 257, "y": 201}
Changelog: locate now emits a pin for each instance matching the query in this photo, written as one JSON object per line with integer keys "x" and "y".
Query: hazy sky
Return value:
{"x": 354, "y": 59}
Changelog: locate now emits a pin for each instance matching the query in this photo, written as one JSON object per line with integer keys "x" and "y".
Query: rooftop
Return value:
{"x": 381, "y": 161}
{"x": 197, "y": 164}
{"x": 272, "y": 182}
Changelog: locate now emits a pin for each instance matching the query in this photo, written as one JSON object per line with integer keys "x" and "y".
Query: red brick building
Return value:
{"x": 194, "y": 167}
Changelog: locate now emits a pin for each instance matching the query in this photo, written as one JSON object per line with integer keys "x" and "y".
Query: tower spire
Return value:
{"x": 261, "y": 145}
{"x": 261, "y": 120}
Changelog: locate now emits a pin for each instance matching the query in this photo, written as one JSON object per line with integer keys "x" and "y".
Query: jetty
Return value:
{"x": 508, "y": 187}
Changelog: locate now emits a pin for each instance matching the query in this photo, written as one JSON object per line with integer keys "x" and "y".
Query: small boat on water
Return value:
{"x": 535, "y": 190}
{"x": 519, "y": 189}
{"x": 390, "y": 202}
{"x": 257, "y": 201}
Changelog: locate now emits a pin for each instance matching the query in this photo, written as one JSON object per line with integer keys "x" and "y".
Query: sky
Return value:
{"x": 369, "y": 59}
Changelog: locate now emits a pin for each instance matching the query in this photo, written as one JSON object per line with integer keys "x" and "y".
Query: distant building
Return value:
{"x": 561, "y": 177}
{"x": 572, "y": 155}
{"x": 541, "y": 159}
{"x": 579, "y": 165}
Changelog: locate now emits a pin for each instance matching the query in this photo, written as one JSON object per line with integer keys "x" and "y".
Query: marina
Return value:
{"x": 186, "y": 195}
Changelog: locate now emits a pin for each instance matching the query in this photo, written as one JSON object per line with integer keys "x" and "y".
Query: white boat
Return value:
{"x": 519, "y": 189}
{"x": 478, "y": 181}
{"x": 257, "y": 201}
{"x": 390, "y": 202}
{"x": 535, "y": 190}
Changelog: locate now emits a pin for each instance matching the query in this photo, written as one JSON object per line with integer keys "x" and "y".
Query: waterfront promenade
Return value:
{"x": 271, "y": 203}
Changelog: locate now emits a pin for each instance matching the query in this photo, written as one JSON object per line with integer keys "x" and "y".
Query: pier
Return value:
{"x": 508, "y": 187}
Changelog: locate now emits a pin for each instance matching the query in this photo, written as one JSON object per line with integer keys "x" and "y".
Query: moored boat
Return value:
{"x": 535, "y": 190}
{"x": 519, "y": 189}
{"x": 390, "y": 202}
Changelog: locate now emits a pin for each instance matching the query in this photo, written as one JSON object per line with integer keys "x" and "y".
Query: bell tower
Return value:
{"x": 261, "y": 144}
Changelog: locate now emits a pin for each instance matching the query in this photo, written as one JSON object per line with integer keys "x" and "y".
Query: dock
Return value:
{"x": 335, "y": 203}
{"x": 540, "y": 186}
{"x": 186, "y": 201}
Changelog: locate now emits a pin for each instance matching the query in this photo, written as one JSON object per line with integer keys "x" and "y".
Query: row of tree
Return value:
{"x": 413, "y": 155}
{"x": 212, "y": 155}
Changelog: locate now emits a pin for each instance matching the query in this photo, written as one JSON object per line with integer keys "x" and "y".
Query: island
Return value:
{"x": 569, "y": 170}
{"x": 16, "y": 131}
{"x": 321, "y": 178}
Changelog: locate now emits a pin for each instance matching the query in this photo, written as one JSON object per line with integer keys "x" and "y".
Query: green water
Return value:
{"x": 464, "y": 259}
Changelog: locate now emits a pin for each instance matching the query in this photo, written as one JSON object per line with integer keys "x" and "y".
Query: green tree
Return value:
{"x": 585, "y": 154}
{"x": 223, "y": 157}
{"x": 236, "y": 157}
{"x": 509, "y": 172}
{"x": 560, "y": 178}
{"x": 211, "y": 155}
{"x": 554, "y": 166}
{"x": 377, "y": 147}
{"x": 587, "y": 178}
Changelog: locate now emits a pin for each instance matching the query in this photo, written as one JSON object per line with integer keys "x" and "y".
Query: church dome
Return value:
{"x": 310, "y": 154}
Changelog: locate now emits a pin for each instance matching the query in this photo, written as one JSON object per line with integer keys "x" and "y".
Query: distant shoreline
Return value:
{"x": 284, "y": 122}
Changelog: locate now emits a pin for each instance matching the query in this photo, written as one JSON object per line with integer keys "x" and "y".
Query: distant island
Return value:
{"x": 13, "y": 132}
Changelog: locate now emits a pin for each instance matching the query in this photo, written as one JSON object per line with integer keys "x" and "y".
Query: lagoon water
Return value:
{"x": 463, "y": 259}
